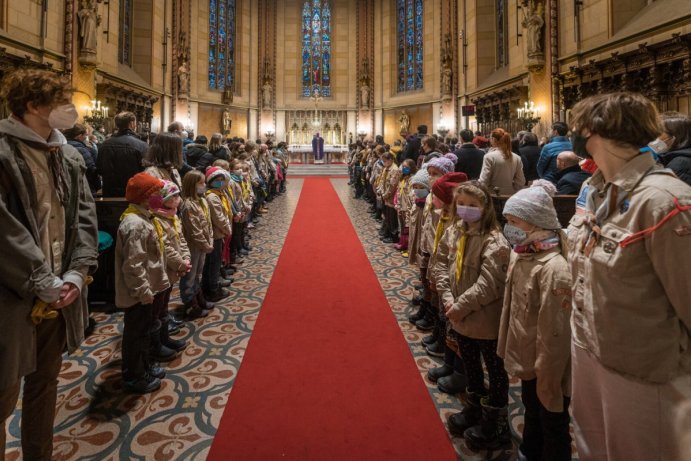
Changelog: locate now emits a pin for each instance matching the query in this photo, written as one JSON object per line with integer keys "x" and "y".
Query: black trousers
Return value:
{"x": 390, "y": 220}
{"x": 546, "y": 434}
{"x": 212, "y": 268}
{"x": 139, "y": 321}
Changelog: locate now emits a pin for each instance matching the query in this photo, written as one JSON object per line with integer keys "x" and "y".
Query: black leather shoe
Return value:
{"x": 218, "y": 295}
{"x": 224, "y": 283}
{"x": 175, "y": 344}
{"x": 455, "y": 383}
{"x": 427, "y": 340}
{"x": 424, "y": 324}
{"x": 164, "y": 354}
{"x": 173, "y": 328}
{"x": 387, "y": 240}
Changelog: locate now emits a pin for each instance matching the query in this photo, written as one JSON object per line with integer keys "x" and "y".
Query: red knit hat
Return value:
{"x": 212, "y": 172}
{"x": 444, "y": 186}
{"x": 141, "y": 186}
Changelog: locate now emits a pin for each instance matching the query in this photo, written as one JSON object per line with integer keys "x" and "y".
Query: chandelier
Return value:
{"x": 528, "y": 114}
{"x": 98, "y": 113}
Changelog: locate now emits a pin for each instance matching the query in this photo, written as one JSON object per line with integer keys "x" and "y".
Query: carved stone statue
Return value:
{"x": 446, "y": 75}
{"x": 266, "y": 93}
{"x": 89, "y": 20}
{"x": 227, "y": 122}
{"x": 534, "y": 22}
{"x": 364, "y": 94}
{"x": 404, "y": 121}
{"x": 183, "y": 78}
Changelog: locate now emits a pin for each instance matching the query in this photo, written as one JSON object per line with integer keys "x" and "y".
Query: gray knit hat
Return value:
{"x": 535, "y": 206}
{"x": 421, "y": 177}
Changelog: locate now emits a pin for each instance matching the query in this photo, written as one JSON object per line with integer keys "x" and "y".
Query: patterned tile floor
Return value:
{"x": 97, "y": 421}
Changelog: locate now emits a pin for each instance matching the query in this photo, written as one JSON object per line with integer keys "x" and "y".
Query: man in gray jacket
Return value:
{"x": 49, "y": 249}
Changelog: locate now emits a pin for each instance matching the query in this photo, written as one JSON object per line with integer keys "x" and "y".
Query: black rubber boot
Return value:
{"x": 428, "y": 322}
{"x": 458, "y": 423}
{"x": 418, "y": 315}
{"x": 456, "y": 382}
{"x": 433, "y": 374}
{"x": 493, "y": 430}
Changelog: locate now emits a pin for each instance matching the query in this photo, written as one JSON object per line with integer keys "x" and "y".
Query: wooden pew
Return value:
{"x": 108, "y": 212}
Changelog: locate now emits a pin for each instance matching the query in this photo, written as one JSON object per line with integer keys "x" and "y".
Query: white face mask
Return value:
{"x": 63, "y": 117}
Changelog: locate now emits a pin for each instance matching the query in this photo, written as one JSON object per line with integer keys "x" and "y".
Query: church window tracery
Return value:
{"x": 316, "y": 48}
{"x": 221, "y": 44}
{"x": 409, "y": 37}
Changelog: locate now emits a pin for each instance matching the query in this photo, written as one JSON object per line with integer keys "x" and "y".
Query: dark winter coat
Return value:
{"x": 679, "y": 161}
{"x": 570, "y": 180}
{"x": 120, "y": 158}
{"x": 530, "y": 155}
{"x": 469, "y": 160}
{"x": 90, "y": 161}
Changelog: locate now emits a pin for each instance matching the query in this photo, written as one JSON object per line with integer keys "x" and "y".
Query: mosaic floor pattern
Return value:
{"x": 396, "y": 277}
{"x": 97, "y": 421}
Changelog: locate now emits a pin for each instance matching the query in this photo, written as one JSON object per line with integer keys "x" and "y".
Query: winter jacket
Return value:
{"x": 140, "y": 263}
{"x": 529, "y": 156}
{"x": 221, "y": 218}
{"x": 167, "y": 174}
{"x": 679, "y": 161}
{"x": 535, "y": 334}
{"x": 414, "y": 222}
{"x": 119, "y": 158}
{"x": 429, "y": 225}
{"x": 90, "y": 161}
{"x": 389, "y": 184}
{"x": 412, "y": 148}
{"x": 631, "y": 291}
{"x": 570, "y": 180}
{"x": 470, "y": 160}
{"x": 547, "y": 163}
{"x": 177, "y": 253}
{"x": 208, "y": 158}
{"x": 479, "y": 292}
{"x": 27, "y": 274}
{"x": 507, "y": 175}
{"x": 194, "y": 154}
{"x": 196, "y": 224}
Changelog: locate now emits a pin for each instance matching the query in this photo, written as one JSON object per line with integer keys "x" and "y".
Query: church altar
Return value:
{"x": 302, "y": 153}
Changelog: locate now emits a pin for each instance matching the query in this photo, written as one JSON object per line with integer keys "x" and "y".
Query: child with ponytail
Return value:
{"x": 403, "y": 202}
{"x": 501, "y": 168}
{"x": 470, "y": 272}
{"x": 196, "y": 226}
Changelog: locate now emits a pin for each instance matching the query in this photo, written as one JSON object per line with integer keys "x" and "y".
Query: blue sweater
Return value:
{"x": 547, "y": 164}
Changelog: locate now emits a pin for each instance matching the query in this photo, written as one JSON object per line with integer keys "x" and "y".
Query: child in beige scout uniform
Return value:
{"x": 535, "y": 335}
{"x": 471, "y": 275}
{"x": 450, "y": 377}
{"x": 164, "y": 206}
{"x": 220, "y": 210}
{"x": 420, "y": 188}
{"x": 140, "y": 283}
{"x": 403, "y": 202}
{"x": 388, "y": 183}
{"x": 196, "y": 226}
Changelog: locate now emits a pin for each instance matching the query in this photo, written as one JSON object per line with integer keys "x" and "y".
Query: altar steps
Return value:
{"x": 297, "y": 169}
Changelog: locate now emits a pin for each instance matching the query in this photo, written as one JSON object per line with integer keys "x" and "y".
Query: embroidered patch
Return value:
{"x": 683, "y": 231}
{"x": 561, "y": 292}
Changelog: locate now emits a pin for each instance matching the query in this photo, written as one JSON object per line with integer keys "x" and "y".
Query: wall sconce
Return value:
{"x": 442, "y": 130}
{"x": 98, "y": 113}
{"x": 528, "y": 114}
{"x": 361, "y": 134}
{"x": 269, "y": 134}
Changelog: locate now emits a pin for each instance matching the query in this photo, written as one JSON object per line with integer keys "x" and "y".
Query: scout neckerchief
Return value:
{"x": 440, "y": 231}
{"x": 460, "y": 254}
{"x": 132, "y": 209}
{"x": 224, "y": 200}
{"x": 205, "y": 208}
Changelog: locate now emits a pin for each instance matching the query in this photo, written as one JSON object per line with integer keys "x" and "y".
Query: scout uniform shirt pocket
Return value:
{"x": 608, "y": 251}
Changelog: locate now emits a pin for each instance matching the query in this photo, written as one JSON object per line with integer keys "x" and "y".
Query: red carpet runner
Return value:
{"x": 327, "y": 374}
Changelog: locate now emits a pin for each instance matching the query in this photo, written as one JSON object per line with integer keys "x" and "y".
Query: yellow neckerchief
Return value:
{"x": 440, "y": 231}
{"x": 205, "y": 208}
{"x": 245, "y": 189}
{"x": 403, "y": 186}
{"x": 224, "y": 200}
{"x": 382, "y": 177}
{"x": 132, "y": 209}
{"x": 460, "y": 254}
{"x": 428, "y": 205}
{"x": 175, "y": 222}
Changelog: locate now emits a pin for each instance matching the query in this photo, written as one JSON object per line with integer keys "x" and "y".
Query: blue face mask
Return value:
{"x": 514, "y": 235}
{"x": 405, "y": 170}
{"x": 421, "y": 193}
{"x": 217, "y": 184}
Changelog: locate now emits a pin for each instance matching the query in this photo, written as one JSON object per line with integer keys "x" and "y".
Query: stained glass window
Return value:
{"x": 221, "y": 44}
{"x": 409, "y": 40}
{"x": 125, "y": 41}
{"x": 316, "y": 48}
{"x": 502, "y": 35}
